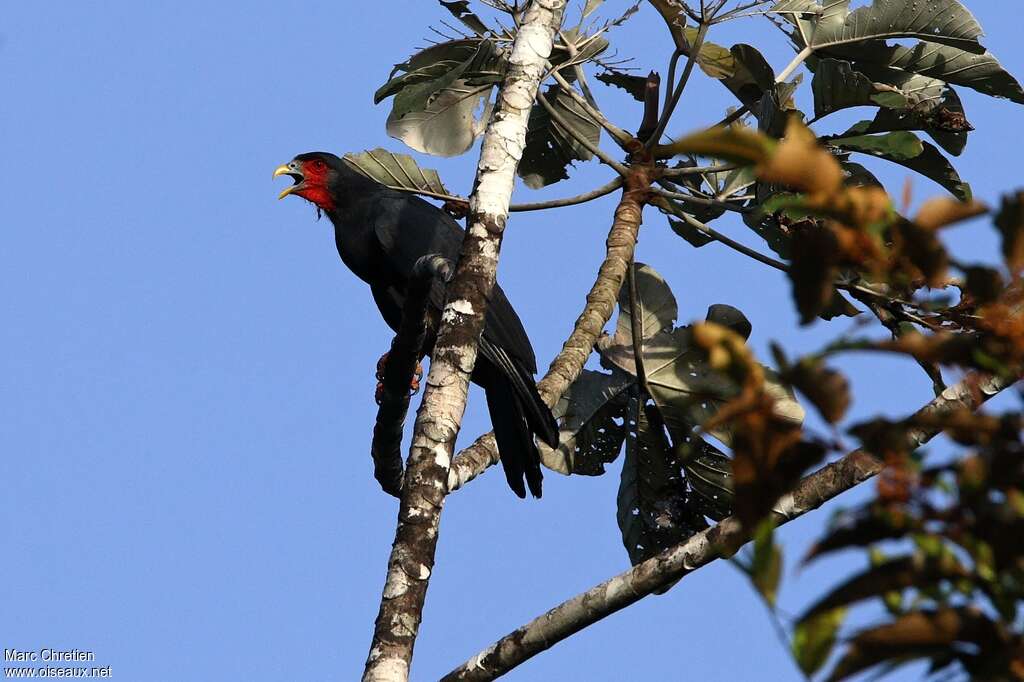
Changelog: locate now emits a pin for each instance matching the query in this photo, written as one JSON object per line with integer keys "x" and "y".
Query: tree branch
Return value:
{"x": 564, "y": 369}
{"x": 399, "y": 372}
{"x": 722, "y": 540}
{"x": 454, "y": 354}
{"x": 596, "y": 193}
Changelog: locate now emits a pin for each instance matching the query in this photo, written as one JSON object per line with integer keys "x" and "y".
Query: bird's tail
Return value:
{"x": 519, "y": 456}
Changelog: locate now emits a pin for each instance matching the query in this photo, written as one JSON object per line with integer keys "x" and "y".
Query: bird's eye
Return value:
{"x": 318, "y": 165}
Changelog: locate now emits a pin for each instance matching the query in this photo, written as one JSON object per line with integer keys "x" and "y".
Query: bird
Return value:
{"x": 380, "y": 234}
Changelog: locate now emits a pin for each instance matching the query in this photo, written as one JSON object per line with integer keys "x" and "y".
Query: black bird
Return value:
{"x": 380, "y": 234}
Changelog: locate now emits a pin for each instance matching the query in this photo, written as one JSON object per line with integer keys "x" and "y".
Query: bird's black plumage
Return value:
{"x": 380, "y": 234}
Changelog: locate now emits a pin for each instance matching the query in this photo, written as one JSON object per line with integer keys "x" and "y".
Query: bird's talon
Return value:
{"x": 381, "y": 364}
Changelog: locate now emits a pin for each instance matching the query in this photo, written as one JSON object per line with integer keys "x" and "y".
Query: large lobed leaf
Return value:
{"x": 832, "y": 24}
{"x": 396, "y": 170}
{"x": 550, "y": 147}
{"x": 438, "y": 97}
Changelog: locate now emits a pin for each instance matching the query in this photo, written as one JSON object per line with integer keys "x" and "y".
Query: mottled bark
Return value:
{"x": 405, "y": 354}
{"x": 724, "y": 539}
{"x": 454, "y": 354}
{"x": 600, "y": 305}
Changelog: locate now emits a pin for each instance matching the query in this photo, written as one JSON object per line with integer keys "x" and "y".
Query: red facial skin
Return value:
{"x": 315, "y": 185}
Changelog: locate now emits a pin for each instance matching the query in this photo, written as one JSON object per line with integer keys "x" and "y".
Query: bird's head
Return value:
{"x": 316, "y": 174}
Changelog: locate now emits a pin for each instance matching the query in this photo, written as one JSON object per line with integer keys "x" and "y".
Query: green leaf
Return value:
{"x": 741, "y": 68}
{"x": 438, "y": 116}
{"x": 833, "y": 25}
{"x": 396, "y": 170}
{"x": 896, "y": 146}
{"x": 979, "y": 71}
{"x": 550, "y": 148}
{"x": 591, "y": 430}
{"x": 929, "y": 161}
{"x": 766, "y": 562}
{"x": 814, "y": 639}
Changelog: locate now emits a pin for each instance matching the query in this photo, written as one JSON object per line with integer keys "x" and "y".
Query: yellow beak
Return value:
{"x": 285, "y": 170}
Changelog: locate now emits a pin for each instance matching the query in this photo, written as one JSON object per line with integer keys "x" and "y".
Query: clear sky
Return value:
{"x": 187, "y": 367}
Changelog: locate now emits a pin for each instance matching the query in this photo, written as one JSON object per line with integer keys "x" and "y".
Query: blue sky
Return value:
{"x": 188, "y": 368}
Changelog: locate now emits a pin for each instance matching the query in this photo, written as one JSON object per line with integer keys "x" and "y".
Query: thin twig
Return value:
{"x": 670, "y": 104}
{"x": 595, "y": 193}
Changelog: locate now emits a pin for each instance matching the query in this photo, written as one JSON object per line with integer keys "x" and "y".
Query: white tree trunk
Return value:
{"x": 454, "y": 355}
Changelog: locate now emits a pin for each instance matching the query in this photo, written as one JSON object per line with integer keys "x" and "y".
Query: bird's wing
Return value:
{"x": 407, "y": 228}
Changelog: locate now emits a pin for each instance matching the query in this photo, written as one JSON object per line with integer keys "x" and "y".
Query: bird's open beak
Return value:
{"x": 291, "y": 170}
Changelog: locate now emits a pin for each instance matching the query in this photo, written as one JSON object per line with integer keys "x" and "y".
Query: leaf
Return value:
{"x": 658, "y": 307}
{"x": 833, "y": 25}
{"x": 591, "y": 429}
{"x": 837, "y": 86}
{"x": 827, "y": 389}
{"x": 460, "y": 10}
{"x": 427, "y": 65}
{"x": 741, "y": 68}
{"x": 940, "y": 212}
{"x": 634, "y": 85}
{"x": 980, "y": 71}
{"x": 983, "y": 285}
{"x": 814, "y": 639}
{"x": 651, "y": 506}
{"x": 894, "y": 574}
{"x": 691, "y": 234}
{"x": 709, "y": 474}
{"x": 396, "y": 170}
{"x": 591, "y": 7}
{"x": 766, "y": 562}
{"x": 438, "y": 116}
{"x": 735, "y": 144}
{"x": 932, "y": 107}
{"x": 929, "y": 162}
{"x": 896, "y": 146}
{"x": 799, "y": 161}
{"x": 1010, "y": 223}
{"x": 814, "y": 253}
{"x": 861, "y": 530}
{"x": 918, "y": 634}
{"x": 550, "y": 148}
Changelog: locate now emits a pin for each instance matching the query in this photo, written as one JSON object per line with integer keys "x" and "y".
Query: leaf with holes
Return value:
{"x": 651, "y": 506}
{"x": 591, "y": 429}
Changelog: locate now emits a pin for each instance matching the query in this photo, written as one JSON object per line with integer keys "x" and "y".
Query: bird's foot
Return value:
{"x": 414, "y": 385}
